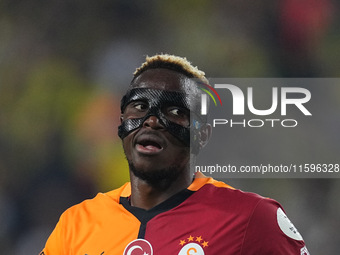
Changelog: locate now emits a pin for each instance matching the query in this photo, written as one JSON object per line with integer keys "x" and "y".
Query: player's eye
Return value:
{"x": 178, "y": 115}
{"x": 176, "y": 111}
{"x": 136, "y": 109}
{"x": 139, "y": 105}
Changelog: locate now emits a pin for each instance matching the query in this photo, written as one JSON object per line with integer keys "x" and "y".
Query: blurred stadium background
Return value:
{"x": 65, "y": 64}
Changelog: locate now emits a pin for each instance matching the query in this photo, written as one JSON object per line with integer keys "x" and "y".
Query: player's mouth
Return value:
{"x": 149, "y": 144}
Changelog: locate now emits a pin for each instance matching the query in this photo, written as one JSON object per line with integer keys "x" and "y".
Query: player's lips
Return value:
{"x": 149, "y": 143}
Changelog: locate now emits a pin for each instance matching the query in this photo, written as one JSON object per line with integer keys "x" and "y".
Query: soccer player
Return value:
{"x": 165, "y": 209}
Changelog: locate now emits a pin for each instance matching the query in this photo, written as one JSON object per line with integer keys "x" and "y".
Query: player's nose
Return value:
{"x": 152, "y": 122}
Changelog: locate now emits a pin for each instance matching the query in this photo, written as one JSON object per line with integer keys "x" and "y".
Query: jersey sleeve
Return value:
{"x": 269, "y": 231}
{"x": 54, "y": 244}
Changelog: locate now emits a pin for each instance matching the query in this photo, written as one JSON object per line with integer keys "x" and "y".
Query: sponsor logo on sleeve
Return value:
{"x": 304, "y": 251}
{"x": 287, "y": 226}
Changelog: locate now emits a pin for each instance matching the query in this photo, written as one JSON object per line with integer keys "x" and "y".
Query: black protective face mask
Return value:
{"x": 157, "y": 101}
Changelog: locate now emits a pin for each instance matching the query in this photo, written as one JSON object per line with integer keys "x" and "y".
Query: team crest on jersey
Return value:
{"x": 138, "y": 247}
{"x": 193, "y": 245}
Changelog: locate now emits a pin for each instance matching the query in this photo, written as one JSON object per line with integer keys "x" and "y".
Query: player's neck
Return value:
{"x": 146, "y": 196}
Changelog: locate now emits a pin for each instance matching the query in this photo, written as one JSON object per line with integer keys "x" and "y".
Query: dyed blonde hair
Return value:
{"x": 172, "y": 62}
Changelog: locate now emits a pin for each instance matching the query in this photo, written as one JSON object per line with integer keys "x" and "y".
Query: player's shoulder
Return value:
{"x": 101, "y": 202}
{"x": 237, "y": 197}
{"x": 221, "y": 196}
{"x": 225, "y": 194}
{"x": 262, "y": 212}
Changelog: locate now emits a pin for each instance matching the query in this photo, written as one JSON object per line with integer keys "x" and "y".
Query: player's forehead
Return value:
{"x": 165, "y": 79}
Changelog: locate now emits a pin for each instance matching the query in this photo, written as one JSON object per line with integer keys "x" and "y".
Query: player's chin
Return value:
{"x": 155, "y": 173}
{"x": 144, "y": 165}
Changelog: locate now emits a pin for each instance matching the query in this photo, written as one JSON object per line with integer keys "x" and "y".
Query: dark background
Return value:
{"x": 65, "y": 64}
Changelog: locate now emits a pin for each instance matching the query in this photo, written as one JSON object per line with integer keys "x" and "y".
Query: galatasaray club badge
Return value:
{"x": 193, "y": 245}
{"x": 138, "y": 247}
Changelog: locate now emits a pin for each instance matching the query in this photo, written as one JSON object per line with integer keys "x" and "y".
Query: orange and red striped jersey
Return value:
{"x": 209, "y": 217}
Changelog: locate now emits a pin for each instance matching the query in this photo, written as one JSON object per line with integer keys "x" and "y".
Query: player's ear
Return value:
{"x": 205, "y": 134}
{"x": 121, "y": 118}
